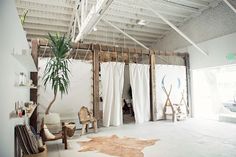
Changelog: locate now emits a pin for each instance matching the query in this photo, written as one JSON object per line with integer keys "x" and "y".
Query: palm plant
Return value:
{"x": 57, "y": 72}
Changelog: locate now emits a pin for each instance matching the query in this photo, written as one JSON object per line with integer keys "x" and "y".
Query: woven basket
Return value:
{"x": 43, "y": 153}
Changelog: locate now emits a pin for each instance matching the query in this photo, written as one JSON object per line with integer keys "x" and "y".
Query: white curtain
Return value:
{"x": 167, "y": 75}
{"x": 139, "y": 80}
{"x": 112, "y": 79}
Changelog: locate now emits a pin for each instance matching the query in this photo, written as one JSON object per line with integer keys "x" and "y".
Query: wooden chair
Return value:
{"x": 85, "y": 118}
{"x": 61, "y": 135}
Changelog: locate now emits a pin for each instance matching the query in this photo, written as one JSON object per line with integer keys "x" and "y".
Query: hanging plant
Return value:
{"x": 23, "y": 16}
{"x": 57, "y": 72}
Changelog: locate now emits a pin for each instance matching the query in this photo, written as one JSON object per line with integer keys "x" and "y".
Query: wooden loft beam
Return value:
{"x": 96, "y": 97}
{"x": 166, "y": 53}
{"x": 101, "y": 47}
{"x": 152, "y": 62}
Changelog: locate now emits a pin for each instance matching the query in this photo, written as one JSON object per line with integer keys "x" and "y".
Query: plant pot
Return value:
{"x": 53, "y": 122}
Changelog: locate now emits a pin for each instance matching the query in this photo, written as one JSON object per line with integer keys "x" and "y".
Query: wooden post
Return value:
{"x": 34, "y": 78}
{"x": 188, "y": 83}
{"x": 96, "y": 98}
{"x": 152, "y": 87}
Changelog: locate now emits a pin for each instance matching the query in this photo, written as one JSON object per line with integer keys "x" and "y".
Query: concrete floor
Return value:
{"x": 191, "y": 138}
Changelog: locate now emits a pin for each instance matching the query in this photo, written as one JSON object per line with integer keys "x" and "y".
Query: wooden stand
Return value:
{"x": 169, "y": 104}
{"x": 62, "y": 135}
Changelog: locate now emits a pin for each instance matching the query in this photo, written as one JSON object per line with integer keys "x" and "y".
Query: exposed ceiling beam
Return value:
{"x": 230, "y": 5}
{"x": 115, "y": 36}
{"x": 137, "y": 8}
{"x": 132, "y": 38}
{"x": 163, "y": 4}
{"x": 46, "y": 28}
{"x": 46, "y": 3}
{"x": 139, "y": 13}
{"x": 118, "y": 41}
{"x": 45, "y": 15}
{"x": 46, "y": 22}
{"x": 72, "y": 25}
{"x": 125, "y": 26}
{"x": 147, "y": 3}
{"x": 93, "y": 17}
{"x": 112, "y": 33}
{"x": 22, "y": 7}
{"x": 134, "y": 23}
{"x": 148, "y": 17}
{"x": 190, "y": 3}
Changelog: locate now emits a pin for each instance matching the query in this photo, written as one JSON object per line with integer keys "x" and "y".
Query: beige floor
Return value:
{"x": 191, "y": 138}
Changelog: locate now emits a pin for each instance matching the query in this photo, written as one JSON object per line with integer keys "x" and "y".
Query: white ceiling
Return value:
{"x": 58, "y": 16}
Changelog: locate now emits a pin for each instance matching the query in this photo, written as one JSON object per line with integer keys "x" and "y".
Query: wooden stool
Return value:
{"x": 61, "y": 135}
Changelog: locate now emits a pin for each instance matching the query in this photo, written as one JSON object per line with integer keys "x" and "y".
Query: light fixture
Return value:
{"x": 95, "y": 29}
{"x": 141, "y": 22}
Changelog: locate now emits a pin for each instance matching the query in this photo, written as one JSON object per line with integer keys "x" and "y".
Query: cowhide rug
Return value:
{"x": 115, "y": 146}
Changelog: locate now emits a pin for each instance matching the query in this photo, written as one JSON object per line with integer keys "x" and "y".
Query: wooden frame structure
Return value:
{"x": 101, "y": 53}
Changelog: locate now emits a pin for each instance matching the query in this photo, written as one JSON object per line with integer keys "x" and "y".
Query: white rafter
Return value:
{"x": 230, "y": 5}
{"x": 94, "y": 16}
{"x": 148, "y": 4}
{"x": 132, "y": 38}
{"x": 62, "y": 16}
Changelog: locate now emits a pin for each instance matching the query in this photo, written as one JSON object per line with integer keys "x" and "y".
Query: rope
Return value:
{"x": 129, "y": 55}
{"x": 45, "y": 49}
{"x": 75, "y": 54}
{"x": 86, "y": 53}
{"x": 122, "y": 54}
{"x": 142, "y": 56}
{"x": 116, "y": 54}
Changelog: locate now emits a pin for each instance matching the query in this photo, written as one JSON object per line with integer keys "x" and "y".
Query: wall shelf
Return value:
{"x": 26, "y": 60}
{"x": 27, "y": 114}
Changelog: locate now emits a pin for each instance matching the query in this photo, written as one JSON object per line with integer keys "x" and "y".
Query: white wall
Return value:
{"x": 12, "y": 36}
{"x": 79, "y": 92}
{"x": 217, "y": 50}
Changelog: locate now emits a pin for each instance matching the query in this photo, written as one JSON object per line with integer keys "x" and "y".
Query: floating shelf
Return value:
{"x": 26, "y": 86}
{"x": 28, "y": 114}
{"x": 26, "y": 60}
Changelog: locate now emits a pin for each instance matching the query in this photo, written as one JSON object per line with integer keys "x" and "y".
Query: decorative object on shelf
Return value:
{"x": 56, "y": 72}
{"x": 23, "y": 109}
{"x": 22, "y": 79}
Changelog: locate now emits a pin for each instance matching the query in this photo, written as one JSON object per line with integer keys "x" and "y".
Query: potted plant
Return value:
{"x": 57, "y": 72}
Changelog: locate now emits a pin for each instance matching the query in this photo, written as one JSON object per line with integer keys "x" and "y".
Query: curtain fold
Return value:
{"x": 112, "y": 79}
{"x": 140, "y": 85}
